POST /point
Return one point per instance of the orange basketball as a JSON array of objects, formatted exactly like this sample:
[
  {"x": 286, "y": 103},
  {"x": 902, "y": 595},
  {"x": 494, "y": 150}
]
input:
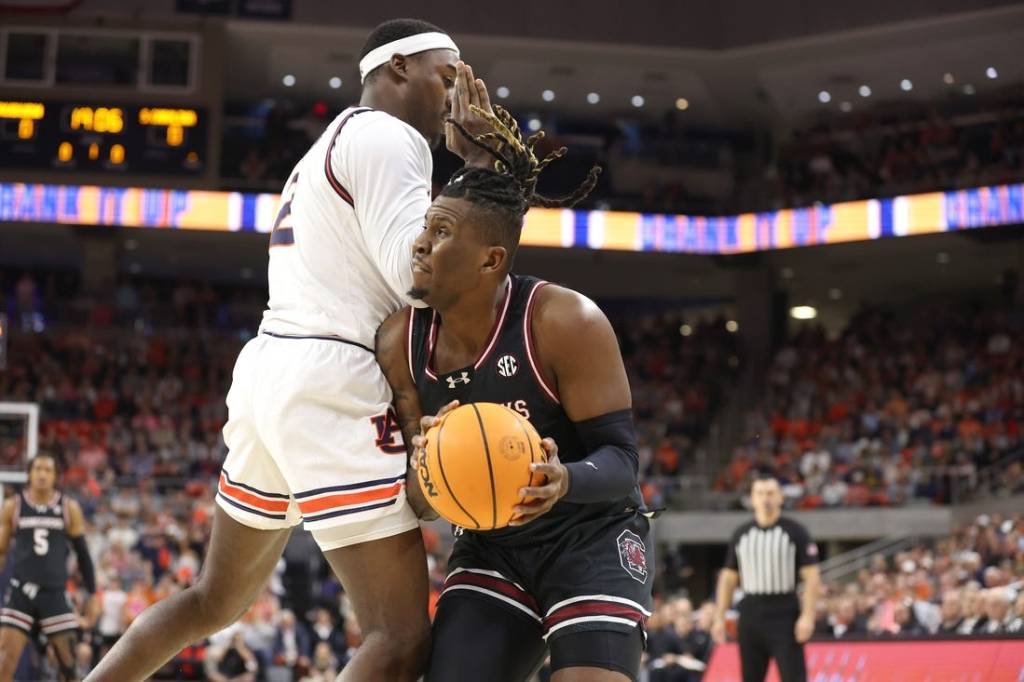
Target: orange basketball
[{"x": 476, "y": 461}]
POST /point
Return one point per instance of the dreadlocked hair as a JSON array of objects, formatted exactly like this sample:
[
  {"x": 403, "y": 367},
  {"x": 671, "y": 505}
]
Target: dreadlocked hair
[
  {"x": 509, "y": 188},
  {"x": 515, "y": 159}
]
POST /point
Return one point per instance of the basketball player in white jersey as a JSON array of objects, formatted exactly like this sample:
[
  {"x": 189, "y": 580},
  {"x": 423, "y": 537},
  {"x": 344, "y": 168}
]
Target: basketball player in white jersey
[{"x": 310, "y": 431}]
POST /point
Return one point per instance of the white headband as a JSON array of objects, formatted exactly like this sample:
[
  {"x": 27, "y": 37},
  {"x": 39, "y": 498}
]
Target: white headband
[{"x": 421, "y": 42}]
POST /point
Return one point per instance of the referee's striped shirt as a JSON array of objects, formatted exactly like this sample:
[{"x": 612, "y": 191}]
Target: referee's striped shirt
[{"x": 769, "y": 559}]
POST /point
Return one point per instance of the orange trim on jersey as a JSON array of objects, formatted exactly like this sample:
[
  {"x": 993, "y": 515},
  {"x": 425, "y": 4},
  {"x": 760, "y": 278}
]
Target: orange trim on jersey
[
  {"x": 345, "y": 499},
  {"x": 250, "y": 499}
]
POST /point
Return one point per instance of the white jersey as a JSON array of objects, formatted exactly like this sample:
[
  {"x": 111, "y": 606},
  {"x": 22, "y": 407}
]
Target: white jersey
[{"x": 342, "y": 242}]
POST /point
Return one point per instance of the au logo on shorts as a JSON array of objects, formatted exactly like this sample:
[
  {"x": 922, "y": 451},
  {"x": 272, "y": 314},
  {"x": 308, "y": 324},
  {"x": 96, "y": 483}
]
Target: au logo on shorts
[{"x": 632, "y": 555}]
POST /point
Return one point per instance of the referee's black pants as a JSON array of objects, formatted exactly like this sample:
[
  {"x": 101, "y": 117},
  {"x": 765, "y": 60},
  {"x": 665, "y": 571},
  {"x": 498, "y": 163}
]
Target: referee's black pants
[{"x": 766, "y": 632}]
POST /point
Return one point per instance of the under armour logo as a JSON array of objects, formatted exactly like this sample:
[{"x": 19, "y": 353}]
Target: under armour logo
[
  {"x": 507, "y": 366},
  {"x": 591, "y": 465},
  {"x": 454, "y": 381}
]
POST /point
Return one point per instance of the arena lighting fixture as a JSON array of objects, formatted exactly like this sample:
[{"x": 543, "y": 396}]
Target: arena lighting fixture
[
  {"x": 637, "y": 101},
  {"x": 288, "y": 80},
  {"x": 533, "y": 124},
  {"x": 864, "y": 91},
  {"x": 824, "y": 97},
  {"x": 991, "y": 72},
  {"x": 948, "y": 79},
  {"x": 548, "y": 95},
  {"x": 502, "y": 91},
  {"x": 593, "y": 97},
  {"x": 682, "y": 104},
  {"x": 803, "y": 312},
  {"x": 686, "y": 330},
  {"x": 968, "y": 89},
  {"x": 906, "y": 85},
  {"x": 732, "y": 326},
  {"x": 335, "y": 82},
  {"x": 845, "y": 107}
]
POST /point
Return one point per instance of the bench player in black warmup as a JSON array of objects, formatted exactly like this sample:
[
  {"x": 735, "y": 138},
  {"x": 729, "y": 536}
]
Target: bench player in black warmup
[
  {"x": 574, "y": 572},
  {"x": 45, "y": 524}
]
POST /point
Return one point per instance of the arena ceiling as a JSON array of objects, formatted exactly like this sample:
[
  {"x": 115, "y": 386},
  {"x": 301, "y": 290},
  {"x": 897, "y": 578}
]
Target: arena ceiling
[
  {"x": 737, "y": 63},
  {"x": 755, "y": 85}
]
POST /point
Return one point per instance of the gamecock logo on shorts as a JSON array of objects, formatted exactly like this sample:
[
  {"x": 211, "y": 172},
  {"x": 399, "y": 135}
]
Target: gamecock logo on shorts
[{"x": 633, "y": 555}]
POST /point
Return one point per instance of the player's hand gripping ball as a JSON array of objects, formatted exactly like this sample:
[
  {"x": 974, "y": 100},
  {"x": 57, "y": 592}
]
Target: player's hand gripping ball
[{"x": 474, "y": 461}]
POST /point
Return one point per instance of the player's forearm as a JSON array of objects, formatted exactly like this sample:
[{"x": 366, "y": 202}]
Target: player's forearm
[
  {"x": 604, "y": 475},
  {"x": 85, "y": 565},
  {"x": 609, "y": 472}
]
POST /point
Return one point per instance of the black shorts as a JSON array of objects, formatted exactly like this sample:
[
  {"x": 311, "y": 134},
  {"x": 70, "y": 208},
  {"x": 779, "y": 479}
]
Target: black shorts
[
  {"x": 597, "y": 575},
  {"x": 29, "y": 606}
]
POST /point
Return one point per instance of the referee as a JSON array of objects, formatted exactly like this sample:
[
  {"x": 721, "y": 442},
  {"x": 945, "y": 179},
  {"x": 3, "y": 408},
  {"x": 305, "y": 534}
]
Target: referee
[{"x": 767, "y": 557}]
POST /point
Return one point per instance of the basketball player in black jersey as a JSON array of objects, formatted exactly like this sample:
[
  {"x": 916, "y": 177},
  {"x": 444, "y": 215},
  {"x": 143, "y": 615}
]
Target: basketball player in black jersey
[
  {"x": 45, "y": 524},
  {"x": 573, "y": 574}
]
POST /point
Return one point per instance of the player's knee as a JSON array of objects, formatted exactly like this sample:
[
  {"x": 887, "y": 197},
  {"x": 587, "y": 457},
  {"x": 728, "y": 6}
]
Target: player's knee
[
  {"x": 8, "y": 662},
  {"x": 215, "y": 607},
  {"x": 405, "y": 651}
]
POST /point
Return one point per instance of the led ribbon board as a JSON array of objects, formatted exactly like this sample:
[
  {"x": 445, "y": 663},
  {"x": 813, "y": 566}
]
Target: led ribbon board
[{"x": 612, "y": 230}]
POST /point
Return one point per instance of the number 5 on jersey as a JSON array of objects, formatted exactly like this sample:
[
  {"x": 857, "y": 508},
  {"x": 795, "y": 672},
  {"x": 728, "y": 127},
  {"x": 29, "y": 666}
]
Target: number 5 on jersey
[{"x": 41, "y": 541}]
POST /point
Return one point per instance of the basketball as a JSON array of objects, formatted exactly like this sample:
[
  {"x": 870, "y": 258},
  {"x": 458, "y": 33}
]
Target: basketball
[{"x": 475, "y": 462}]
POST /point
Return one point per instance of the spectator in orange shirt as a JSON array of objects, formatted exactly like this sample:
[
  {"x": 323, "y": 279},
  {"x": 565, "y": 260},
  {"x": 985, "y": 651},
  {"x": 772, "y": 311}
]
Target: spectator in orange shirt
[{"x": 667, "y": 457}]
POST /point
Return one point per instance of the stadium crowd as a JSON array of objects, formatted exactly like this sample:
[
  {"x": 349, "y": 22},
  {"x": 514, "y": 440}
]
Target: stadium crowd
[
  {"x": 971, "y": 583},
  {"x": 667, "y": 165},
  {"x": 887, "y": 151},
  {"x": 913, "y": 406},
  {"x": 132, "y": 388},
  {"x": 968, "y": 584}
]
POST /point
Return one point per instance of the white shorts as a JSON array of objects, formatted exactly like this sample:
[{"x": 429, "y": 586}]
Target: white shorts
[{"x": 312, "y": 437}]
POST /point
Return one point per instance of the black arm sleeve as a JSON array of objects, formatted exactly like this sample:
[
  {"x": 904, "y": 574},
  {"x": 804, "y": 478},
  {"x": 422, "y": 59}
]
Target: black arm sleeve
[
  {"x": 85, "y": 566},
  {"x": 609, "y": 472}
]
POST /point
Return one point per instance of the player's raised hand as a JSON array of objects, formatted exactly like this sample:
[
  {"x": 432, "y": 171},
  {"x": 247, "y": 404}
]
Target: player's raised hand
[
  {"x": 469, "y": 91},
  {"x": 545, "y": 496}
]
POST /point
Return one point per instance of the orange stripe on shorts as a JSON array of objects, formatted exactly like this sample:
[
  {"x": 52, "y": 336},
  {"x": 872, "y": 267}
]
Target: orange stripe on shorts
[
  {"x": 345, "y": 499},
  {"x": 250, "y": 499}
]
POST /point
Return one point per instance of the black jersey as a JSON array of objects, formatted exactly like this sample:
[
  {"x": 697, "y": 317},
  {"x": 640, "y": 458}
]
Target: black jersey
[
  {"x": 507, "y": 372},
  {"x": 41, "y": 542}
]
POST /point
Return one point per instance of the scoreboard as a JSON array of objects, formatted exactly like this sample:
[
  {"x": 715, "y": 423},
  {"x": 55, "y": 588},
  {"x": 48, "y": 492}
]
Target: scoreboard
[{"x": 110, "y": 137}]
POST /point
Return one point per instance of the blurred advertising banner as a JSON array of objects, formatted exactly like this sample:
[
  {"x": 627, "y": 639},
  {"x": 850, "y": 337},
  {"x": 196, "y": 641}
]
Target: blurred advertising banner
[
  {"x": 893, "y": 661},
  {"x": 560, "y": 228}
]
